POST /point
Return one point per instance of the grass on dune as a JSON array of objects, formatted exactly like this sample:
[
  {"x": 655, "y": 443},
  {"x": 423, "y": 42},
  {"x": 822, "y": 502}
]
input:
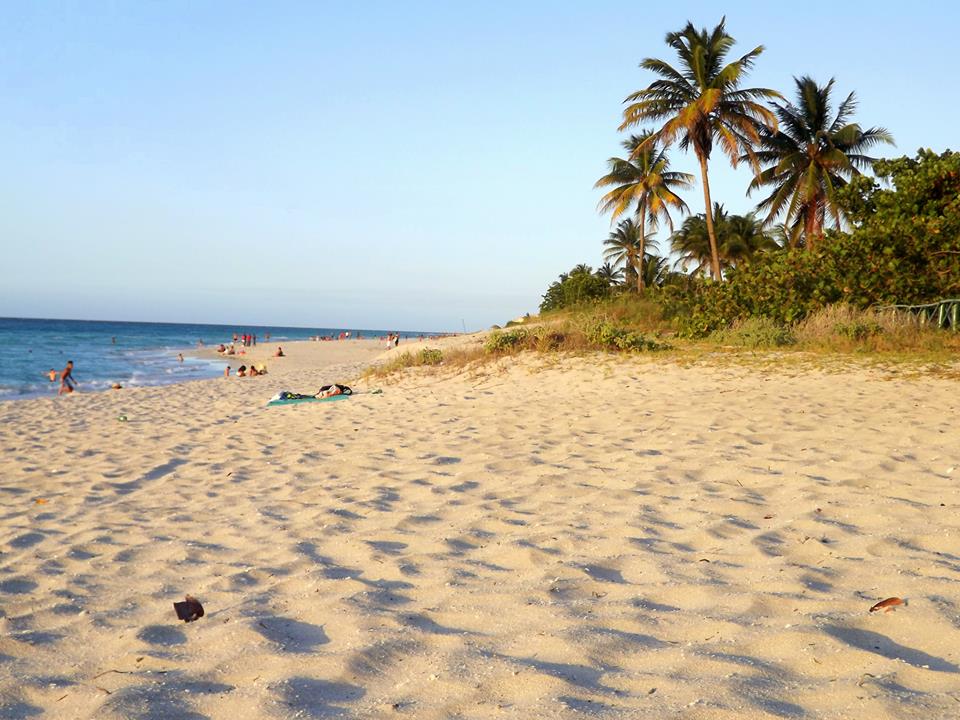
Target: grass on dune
[{"x": 830, "y": 338}]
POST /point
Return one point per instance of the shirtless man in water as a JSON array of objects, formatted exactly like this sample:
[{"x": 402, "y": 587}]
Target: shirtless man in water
[{"x": 67, "y": 382}]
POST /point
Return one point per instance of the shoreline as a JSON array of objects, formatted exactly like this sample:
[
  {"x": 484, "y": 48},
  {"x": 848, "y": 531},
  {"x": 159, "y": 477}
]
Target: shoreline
[
  {"x": 259, "y": 354},
  {"x": 597, "y": 533}
]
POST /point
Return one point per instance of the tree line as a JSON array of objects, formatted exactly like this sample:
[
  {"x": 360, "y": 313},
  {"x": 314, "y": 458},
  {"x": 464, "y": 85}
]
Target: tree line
[{"x": 802, "y": 154}]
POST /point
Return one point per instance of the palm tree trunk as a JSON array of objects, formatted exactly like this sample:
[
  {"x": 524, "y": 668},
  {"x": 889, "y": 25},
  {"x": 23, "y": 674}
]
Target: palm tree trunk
[
  {"x": 708, "y": 213},
  {"x": 810, "y": 225},
  {"x": 643, "y": 241}
]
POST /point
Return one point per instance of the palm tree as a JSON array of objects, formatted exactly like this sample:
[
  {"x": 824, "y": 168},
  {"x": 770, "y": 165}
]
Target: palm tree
[
  {"x": 655, "y": 269},
  {"x": 739, "y": 238},
  {"x": 624, "y": 246},
  {"x": 609, "y": 273},
  {"x": 703, "y": 102},
  {"x": 811, "y": 157},
  {"x": 645, "y": 182},
  {"x": 582, "y": 269},
  {"x": 744, "y": 237}
]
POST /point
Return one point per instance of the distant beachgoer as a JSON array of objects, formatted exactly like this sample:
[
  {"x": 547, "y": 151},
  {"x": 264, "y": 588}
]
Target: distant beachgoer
[
  {"x": 266, "y": 336},
  {"x": 254, "y": 340},
  {"x": 234, "y": 337},
  {"x": 396, "y": 339},
  {"x": 180, "y": 357},
  {"x": 52, "y": 375},
  {"x": 242, "y": 371},
  {"x": 279, "y": 352},
  {"x": 113, "y": 340},
  {"x": 222, "y": 348},
  {"x": 67, "y": 381},
  {"x": 252, "y": 372},
  {"x": 226, "y": 371}
]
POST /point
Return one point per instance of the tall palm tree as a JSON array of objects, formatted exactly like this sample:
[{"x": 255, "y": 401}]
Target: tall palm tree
[
  {"x": 811, "y": 156},
  {"x": 645, "y": 183},
  {"x": 623, "y": 247},
  {"x": 609, "y": 273},
  {"x": 701, "y": 103},
  {"x": 739, "y": 238}
]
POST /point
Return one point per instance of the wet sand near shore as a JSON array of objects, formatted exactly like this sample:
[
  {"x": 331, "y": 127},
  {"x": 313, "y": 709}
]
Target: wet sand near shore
[{"x": 594, "y": 538}]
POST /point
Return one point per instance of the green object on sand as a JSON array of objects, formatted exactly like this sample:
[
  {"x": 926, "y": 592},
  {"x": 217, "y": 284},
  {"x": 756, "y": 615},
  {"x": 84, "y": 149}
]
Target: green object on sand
[
  {"x": 297, "y": 401},
  {"x": 122, "y": 418}
]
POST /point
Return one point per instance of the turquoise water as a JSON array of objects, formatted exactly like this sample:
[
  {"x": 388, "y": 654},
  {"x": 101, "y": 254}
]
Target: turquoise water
[{"x": 129, "y": 353}]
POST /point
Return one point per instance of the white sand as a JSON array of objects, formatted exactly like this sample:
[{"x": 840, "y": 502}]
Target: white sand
[{"x": 599, "y": 538}]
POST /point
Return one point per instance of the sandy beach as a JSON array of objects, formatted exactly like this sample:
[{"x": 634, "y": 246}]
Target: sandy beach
[{"x": 588, "y": 537}]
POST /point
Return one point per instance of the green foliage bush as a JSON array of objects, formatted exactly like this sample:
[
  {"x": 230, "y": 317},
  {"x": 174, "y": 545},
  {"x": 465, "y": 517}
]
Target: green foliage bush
[
  {"x": 758, "y": 332},
  {"x": 904, "y": 248},
  {"x": 857, "y": 330},
  {"x": 503, "y": 342},
  {"x": 604, "y": 334},
  {"x": 590, "y": 333},
  {"x": 430, "y": 356},
  {"x": 573, "y": 289}
]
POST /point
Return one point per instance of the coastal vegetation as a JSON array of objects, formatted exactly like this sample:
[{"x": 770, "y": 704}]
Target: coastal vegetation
[
  {"x": 826, "y": 238},
  {"x": 836, "y": 248}
]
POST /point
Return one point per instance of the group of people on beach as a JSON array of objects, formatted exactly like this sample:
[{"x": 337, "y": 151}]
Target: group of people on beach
[{"x": 244, "y": 371}]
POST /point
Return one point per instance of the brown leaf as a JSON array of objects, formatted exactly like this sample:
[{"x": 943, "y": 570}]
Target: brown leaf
[
  {"x": 888, "y": 604},
  {"x": 188, "y": 610}
]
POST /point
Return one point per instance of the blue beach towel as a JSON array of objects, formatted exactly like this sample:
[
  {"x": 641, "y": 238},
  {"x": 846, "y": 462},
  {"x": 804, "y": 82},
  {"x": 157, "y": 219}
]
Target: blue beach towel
[{"x": 308, "y": 399}]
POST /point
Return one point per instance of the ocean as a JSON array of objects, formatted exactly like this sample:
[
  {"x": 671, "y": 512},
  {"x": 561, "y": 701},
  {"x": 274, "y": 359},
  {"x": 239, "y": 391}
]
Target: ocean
[{"x": 129, "y": 353}]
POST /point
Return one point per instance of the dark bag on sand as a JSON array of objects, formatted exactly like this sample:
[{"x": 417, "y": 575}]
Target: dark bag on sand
[
  {"x": 292, "y": 396},
  {"x": 344, "y": 390}
]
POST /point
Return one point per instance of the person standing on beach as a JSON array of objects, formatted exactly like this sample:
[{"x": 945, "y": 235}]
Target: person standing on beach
[
  {"x": 226, "y": 371},
  {"x": 67, "y": 381}
]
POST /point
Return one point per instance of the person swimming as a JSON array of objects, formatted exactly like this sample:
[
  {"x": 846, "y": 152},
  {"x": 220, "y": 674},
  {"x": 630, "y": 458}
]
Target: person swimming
[{"x": 52, "y": 374}]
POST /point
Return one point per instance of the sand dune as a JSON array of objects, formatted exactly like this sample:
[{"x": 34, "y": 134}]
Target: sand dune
[{"x": 598, "y": 538}]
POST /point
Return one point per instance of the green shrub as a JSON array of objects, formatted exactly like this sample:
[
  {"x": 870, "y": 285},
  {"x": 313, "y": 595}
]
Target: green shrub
[
  {"x": 758, "y": 332},
  {"x": 431, "y": 356},
  {"x": 578, "y": 287},
  {"x": 502, "y": 342},
  {"x": 605, "y": 335},
  {"x": 858, "y": 330}
]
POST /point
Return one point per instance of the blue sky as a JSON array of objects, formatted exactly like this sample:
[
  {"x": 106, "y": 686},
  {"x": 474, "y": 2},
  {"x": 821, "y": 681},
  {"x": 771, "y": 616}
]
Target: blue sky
[{"x": 374, "y": 164}]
